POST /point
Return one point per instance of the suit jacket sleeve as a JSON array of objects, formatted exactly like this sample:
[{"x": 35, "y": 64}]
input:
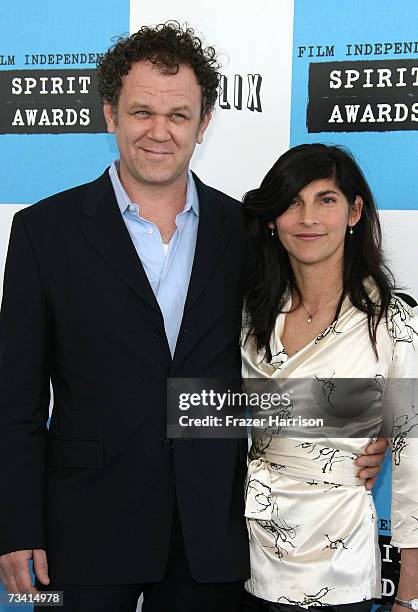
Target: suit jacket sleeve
[{"x": 24, "y": 396}]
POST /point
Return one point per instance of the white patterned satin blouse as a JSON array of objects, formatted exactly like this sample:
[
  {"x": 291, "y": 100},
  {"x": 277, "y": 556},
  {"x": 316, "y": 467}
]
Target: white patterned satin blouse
[{"x": 311, "y": 522}]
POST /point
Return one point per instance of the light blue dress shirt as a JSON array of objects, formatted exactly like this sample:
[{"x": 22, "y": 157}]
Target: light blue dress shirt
[{"x": 168, "y": 268}]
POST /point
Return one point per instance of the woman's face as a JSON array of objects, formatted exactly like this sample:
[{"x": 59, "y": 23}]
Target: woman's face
[{"x": 313, "y": 228}]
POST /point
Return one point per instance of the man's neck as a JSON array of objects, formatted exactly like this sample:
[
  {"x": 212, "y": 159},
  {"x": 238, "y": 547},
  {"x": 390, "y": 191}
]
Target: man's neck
[
  {"x": 159, "y": 203},
  {"x": 169, "y": 197}
]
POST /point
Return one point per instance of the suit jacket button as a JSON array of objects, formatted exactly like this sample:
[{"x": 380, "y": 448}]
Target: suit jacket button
[
  {"x": 158, "y": 333},
  {"x": 167, "y": 443}
]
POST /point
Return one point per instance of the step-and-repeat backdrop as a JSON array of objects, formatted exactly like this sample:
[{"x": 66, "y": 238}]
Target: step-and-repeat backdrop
[{"x": 294, "y": 71}]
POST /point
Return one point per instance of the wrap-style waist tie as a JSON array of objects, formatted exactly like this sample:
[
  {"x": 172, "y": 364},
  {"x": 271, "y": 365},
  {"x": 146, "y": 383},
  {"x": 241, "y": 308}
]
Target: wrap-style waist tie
[{"x": 298, "y": 460}]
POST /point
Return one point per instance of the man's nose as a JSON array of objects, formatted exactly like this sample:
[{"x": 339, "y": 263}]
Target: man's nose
[{"x": 159, "y": 128}]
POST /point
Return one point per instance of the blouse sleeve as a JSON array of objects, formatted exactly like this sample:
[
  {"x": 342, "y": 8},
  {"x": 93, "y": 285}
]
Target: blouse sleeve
[{"x": 401, "y": 406}]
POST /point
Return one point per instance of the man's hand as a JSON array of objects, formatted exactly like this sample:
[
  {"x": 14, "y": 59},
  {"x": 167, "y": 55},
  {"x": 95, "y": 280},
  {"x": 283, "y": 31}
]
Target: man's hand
[
  {"x": 372, "y": 461},
  {"x": 15, "y": 574}
]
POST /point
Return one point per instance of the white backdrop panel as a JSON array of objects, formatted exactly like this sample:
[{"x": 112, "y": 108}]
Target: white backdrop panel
[
  {"x": 400, "y": 231},
  {"x": 240, "y": 145}
]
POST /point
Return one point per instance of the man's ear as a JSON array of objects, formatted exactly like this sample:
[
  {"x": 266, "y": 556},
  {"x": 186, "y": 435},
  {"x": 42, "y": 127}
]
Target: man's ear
[
  {"x": 202, "y": 127},
  {"x": 109, "y": 115}
]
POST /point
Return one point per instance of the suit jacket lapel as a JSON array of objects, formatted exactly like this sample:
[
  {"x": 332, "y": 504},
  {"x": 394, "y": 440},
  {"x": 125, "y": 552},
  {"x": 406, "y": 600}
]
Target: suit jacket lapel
[
  {"x": 214, "y": 232},
  {"x": 105, "y": 229},
  {"x": 213, "y": 236}
]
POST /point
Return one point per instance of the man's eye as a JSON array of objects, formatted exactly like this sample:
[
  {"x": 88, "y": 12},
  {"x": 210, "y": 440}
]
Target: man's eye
[
  {"x": 178, "y": 116},
  {"x": 143, "y": 113},
  {"x": 328, "y": 200}
]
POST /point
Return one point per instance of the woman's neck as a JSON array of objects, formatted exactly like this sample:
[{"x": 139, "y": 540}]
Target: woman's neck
[{"x": 318, "y": 283}]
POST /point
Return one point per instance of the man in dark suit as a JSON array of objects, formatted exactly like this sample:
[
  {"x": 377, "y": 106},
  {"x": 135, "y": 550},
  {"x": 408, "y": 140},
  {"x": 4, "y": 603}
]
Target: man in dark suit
[{"x": 111, "y": 288}]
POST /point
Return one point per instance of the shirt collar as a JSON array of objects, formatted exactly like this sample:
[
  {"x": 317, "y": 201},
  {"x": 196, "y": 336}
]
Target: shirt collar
[{"x": 122, "y": 198}]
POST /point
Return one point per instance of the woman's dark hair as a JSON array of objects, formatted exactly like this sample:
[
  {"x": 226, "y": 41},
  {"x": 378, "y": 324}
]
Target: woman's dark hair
[
  {"x": 167, "y": 45},
  {"x": 272, "y": 279}
]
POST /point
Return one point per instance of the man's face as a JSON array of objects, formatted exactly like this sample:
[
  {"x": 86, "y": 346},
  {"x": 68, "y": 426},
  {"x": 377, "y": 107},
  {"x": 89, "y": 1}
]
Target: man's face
[{"x": 157, "y": 124}]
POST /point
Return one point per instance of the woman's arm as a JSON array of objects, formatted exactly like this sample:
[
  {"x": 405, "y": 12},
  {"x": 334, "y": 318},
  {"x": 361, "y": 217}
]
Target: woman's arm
[{"x": 402, "y": 414}]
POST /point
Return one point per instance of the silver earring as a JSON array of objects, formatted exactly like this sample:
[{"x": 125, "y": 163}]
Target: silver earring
[
  {"x": 351, "y": 231},
  {"x": 272, "y": 232}
]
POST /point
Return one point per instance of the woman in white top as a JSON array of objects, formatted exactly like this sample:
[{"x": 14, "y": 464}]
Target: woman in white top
[{"x": 322, "y": 308}]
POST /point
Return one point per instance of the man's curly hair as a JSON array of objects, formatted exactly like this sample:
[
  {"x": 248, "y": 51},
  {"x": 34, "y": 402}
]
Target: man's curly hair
[{"x": 167, "y": 45}]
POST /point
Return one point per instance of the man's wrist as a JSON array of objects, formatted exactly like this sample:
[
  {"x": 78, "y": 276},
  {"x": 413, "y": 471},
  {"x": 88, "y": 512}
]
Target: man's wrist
[{"x": 411, "y": 604}]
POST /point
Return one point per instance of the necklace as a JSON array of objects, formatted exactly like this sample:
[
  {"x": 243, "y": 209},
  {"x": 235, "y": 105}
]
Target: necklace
[{"x": 313, "y": 313}]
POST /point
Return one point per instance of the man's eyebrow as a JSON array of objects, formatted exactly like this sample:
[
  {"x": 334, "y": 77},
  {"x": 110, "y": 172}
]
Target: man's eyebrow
[
  {"x": 144, "y": 105},
  {"x": 138, "y": 104},
  {"x": 183, "y": 107}
]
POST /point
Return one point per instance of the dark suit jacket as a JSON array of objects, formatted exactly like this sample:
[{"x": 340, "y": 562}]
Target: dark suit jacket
[{"x": 97, "y": 490}]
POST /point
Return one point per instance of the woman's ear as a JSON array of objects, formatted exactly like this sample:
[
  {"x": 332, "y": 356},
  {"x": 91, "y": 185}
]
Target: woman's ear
[{"x": 355, "y": 211}]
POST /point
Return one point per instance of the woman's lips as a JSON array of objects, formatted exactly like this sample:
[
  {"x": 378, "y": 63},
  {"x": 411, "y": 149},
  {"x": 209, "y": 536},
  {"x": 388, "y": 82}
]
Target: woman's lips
[{"x": 309, "y": 237}]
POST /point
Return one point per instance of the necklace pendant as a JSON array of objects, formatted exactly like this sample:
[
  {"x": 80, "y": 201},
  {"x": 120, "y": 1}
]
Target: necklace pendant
[{"x": 309, "y": 319}]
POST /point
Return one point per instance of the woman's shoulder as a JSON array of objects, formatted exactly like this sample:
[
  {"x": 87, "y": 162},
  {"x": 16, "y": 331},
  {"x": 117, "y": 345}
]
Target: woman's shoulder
[
  {"x": 402, "y": 321},
  {"x": 401, "y": 305},
  {"x": 406, "y": 299}
]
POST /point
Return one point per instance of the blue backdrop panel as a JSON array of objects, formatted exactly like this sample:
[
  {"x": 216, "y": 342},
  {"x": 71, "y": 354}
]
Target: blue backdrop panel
[
  {"x": 41, "y": 164},
  {"x": 388, "y": 157}
]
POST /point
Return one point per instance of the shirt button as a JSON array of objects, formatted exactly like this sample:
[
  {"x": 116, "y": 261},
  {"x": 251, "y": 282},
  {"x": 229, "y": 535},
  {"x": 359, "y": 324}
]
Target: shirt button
[
  {"x": 132, "y": 208},
  {"x": 150, "y": 231}
]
